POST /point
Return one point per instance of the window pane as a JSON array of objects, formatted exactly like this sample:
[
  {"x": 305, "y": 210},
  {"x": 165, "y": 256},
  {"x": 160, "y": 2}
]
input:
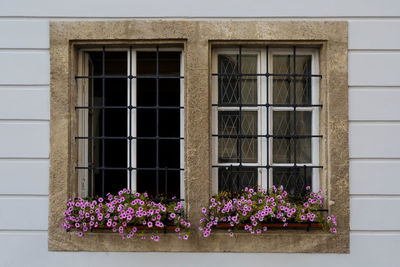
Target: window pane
[
  {"x": 160, "y": 153},
  {"x": 283, "y": 86},
  {"x": 228, "y": 148},
  {"x": 116, "y": 63},
  {"x": 229, "y": 86},
  {"x": 234, "y": 179},
  {"x": 168, "y": 65},
  {"x": 286, "y": 178},
  {"x": 283, "y": 146}
]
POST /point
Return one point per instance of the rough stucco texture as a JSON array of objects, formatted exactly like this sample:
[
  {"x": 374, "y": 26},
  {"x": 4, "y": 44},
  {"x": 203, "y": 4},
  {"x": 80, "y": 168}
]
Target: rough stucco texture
[{"x": 197, "y": 37}]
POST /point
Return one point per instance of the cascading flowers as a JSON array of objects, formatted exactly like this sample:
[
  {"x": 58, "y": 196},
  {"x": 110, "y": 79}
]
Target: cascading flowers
[
  {"x": 126, "y": 213},
  {"x": 254, "y": 208}
]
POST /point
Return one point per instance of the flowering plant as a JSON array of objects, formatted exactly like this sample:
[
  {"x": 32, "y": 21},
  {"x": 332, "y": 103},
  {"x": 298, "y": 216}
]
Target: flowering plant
[
  {"x": 253, "y": 209},
  {"x": 126, "y": 213}
]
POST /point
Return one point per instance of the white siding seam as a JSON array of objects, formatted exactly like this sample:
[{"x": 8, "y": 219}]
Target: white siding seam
[
  {"x": 23, "y": 158},
  {"x": 367, "y": 121},
  {"x": 373, "y": 87},
  {"x": 357, "y": 88},
  {"x": 373, "y": 51},
  {"x": 22, "y": 231},
  {"x": 373, "y": 122},
  {"x": 10, "y": 49},
  {"x": 24, "y": 84},
  {"x": 376, "y": 232},
  {"x": 23, "y": 120},
  {"x": 24, "y": 196},
  {"x": 384, "y": 159},
  {"x": 375, "y": 196}
]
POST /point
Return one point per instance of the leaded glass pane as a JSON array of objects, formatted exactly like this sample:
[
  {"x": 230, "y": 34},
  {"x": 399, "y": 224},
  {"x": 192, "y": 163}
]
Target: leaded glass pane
[
  {"x": 283, "y": 146},
  {"x": 229, "y": 86},
  {"x": 234, "y": 179},
  {"x": 286, "y": 177},
  {"x": 228, "y": 148},
  {"x": 283, "y": 86}
]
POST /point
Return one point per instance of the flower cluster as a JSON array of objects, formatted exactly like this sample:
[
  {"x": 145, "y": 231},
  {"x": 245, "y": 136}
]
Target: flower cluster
[
  {"x": 253, "y": 209},
  {"x": 128, "y": 213}
]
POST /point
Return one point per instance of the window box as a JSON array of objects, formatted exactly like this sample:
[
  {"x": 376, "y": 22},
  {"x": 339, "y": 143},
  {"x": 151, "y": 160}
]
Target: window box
[
  {"x": 130, "y": 214},
  {"x": 256, "y": 210},
  {"x": 292, "y": 225}
]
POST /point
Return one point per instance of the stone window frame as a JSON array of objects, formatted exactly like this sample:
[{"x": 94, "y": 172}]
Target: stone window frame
[{"x": 198, "y": 38}]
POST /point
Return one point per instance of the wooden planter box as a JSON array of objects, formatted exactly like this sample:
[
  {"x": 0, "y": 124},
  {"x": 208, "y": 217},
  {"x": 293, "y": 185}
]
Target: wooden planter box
[
  {"x": 291, "y": 225},
  {"x": 141, "y": 227}
]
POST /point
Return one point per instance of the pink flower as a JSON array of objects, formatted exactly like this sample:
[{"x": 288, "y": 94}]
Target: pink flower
[{"x": 80, "y": 234}]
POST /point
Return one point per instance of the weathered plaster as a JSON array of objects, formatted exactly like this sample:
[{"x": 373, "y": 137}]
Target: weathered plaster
[{"x": 197, "y": 38}]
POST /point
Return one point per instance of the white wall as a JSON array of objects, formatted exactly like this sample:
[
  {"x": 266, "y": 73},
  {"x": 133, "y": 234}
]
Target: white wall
[{"x": 374, "y": 112}]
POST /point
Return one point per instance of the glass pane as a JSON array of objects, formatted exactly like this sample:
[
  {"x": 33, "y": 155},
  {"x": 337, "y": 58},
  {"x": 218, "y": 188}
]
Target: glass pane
[
  {"x": 283, "y": 122},
  {"x": 168, "y": 63},
  {"x": 283, "y": 146},
  {"x": 228, "y": 147},
  {"x": 229, "y": 86},
  {"x": 286, "y": 178},
  {"x": 235, "y": 179},
  {"x": 116, "y": 63},
  {"x": 249, "y": 64},
  {"x": 249, "y": 145},
  {"x": 283, "y": 86}
]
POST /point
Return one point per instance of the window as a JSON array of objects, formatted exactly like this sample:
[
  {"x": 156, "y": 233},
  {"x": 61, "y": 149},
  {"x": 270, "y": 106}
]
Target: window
[
  {"x": 224, "y": 134},
  {"x": 265, "y": 118},
  {"x": 130, "y": 115}
]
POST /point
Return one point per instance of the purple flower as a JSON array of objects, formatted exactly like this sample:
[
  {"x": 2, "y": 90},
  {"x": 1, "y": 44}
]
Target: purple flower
[
  {"x": 185, "y": 237},
  {"x": 80, "y": 234}
]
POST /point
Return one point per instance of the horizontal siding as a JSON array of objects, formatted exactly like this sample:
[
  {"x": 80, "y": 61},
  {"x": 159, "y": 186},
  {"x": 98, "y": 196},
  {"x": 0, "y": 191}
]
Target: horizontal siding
[
  {"x": 27, "y": 103},
  {"x": 24, "y": 67},
  {"x": 374, "y": 140},
  {"x": 207, "y": 8},
  {"x": 21, "y": 213},
  {"x": 370, "y": 34},
  {"x": 375, "y": 213},
  {"x": 376, "y": 177},
  {"x": 372, "y": 74},
  {"x": 374, "y": 68},
  {"x": 374, "y": 104},
  {"x": 24, "y": 34},
  {"x": 24, "y": 139},
  {"x": 24, "y": 177},
  {"x": 366, "y": 250}
]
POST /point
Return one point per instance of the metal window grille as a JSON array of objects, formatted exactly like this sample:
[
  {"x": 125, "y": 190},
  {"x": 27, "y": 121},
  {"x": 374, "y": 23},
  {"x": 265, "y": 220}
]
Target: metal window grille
[
  {"x": 130, "y": 137},
  {"x": 238, "y": 172}
]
